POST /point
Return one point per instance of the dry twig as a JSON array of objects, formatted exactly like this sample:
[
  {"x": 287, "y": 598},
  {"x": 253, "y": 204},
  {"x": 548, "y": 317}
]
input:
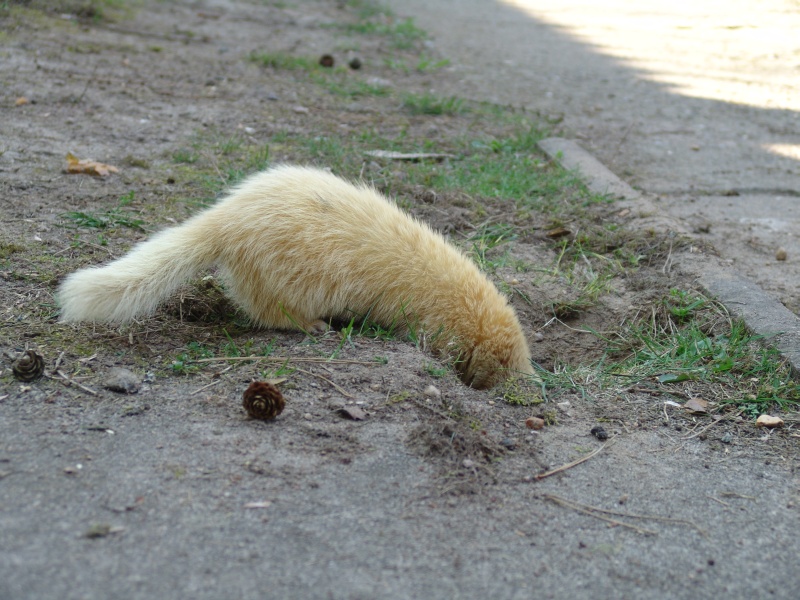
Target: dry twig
[
  {"x": 339, "y": 388},
  {"x": 67, "y": 381},
  {"x": 573, "y": 463},
  {"x": 592, "y": 512},
  {"x": 599, "y": 512},
  {"x": 285, "y": 359}
]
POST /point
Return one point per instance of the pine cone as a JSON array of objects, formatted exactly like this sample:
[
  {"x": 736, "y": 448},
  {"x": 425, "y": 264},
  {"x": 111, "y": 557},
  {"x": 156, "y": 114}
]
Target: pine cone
[
  {"x": 262, "y": 400},
  {"x": 29, "y": 367}
]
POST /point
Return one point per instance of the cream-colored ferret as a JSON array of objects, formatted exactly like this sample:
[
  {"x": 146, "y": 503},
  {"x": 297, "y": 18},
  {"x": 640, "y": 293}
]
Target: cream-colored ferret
[{"x": 297, "y": 246}]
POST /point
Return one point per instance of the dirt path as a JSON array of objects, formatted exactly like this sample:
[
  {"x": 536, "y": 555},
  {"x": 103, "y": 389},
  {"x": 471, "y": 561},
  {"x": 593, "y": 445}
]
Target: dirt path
[
  {"x": 172, "y": 491},
  {"x": 695, "y": 103}
]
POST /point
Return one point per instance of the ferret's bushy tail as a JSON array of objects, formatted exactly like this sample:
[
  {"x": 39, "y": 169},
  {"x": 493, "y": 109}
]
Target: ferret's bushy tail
[{"x": 135, "y": 284}]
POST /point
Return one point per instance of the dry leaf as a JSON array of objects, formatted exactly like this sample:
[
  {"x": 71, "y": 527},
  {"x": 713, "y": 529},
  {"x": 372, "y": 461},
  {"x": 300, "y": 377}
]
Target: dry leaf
[
  {"x": 87, "y": 166},
  {"x": 558, "y": 232},
  {"x": 352, "y": 412},
  {"x": 696, "y": 406}
]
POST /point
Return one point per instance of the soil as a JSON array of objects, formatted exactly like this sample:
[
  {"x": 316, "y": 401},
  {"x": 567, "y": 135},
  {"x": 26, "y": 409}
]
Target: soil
[{"x": 431, "y": 490}]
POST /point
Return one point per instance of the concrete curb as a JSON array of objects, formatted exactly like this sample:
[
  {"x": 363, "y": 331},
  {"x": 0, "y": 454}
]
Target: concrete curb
[{"x": 762, "y": 314}]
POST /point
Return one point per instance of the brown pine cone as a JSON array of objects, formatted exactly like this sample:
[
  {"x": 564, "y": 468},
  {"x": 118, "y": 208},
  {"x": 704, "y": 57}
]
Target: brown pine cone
[
  {"x": 262, "y": 400},
  {"x": 29, "y": 367}
]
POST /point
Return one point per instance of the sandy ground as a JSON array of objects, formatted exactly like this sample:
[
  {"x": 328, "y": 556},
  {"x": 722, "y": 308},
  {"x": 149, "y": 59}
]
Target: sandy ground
[{"x": 173, "y": 491}]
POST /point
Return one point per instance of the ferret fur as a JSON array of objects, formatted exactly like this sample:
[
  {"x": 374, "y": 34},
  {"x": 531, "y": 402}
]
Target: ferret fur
[{"x": 297, "y": 246}]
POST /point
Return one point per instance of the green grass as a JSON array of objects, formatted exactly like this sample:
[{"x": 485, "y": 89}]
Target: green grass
[
  {"x": 691, "y": 342},
  {"x": 116, "y": 217},
  {"x": 402, "y": 35},
  {"x": 431, "y": 104}
]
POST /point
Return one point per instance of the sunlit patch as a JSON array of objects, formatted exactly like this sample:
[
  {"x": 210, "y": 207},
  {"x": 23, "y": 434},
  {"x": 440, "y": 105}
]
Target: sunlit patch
[
  {"x": 714, "y": 49},
  {"x": 787, "y": 150}
]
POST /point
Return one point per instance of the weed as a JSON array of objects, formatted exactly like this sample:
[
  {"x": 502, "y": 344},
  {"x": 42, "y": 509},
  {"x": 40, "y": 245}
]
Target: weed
[
  {"x": 403, "y": 35},
  {"x": 520, "y": 392},
  {"x": 346, "y": 335},
  {"x": 699, "y": 346},
  {"x": 104, "y": 219},
  {"x": 434, "y": 371},
  {"x": 351, "y": 88},
  {"x": 431, "y": 104},
  {"x": 182, "y": 364}
]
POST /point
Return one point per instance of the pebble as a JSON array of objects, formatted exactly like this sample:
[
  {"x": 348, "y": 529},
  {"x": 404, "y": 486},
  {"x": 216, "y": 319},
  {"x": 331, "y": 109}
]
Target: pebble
[
  {"x": 769, "y": 421},
  {"x": 432, "y": 392},
  {"x": 508, "y": 443},
  {"x": 122, "y": 381},
  {"x": 780, "y": 254},
  {"x": 534, "y": 423}
]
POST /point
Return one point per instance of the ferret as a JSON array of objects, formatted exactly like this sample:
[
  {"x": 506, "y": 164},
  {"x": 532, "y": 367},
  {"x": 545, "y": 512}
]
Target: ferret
[{"x": 298, "y": 246}]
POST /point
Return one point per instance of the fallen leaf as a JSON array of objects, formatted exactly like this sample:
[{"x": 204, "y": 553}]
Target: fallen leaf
[
  {"x": 696, "y": 406},
  {"x": 558, "y": 232},
  {"x": 352, "y": 412},
  {"x": 87, "y": 166}
]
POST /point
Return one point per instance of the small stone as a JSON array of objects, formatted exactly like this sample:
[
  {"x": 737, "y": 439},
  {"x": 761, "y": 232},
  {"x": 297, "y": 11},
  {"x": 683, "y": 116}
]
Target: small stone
[
  {"x": 780, "y": 254},
  {"x": 432, "y": 392},
  {"x": 769, "y": 421},
  {"x": 379, "y": 82},
  {"x": 726, "y": 439},
  {"x": 122, "y": 381},
  {"x": 468, "y": 463},
  {"x": 538, "y": 336},
  {"x": 308, "y": 416},
  {"x": 355, "y": 63},
  {"x": 600, "y": 433},
  {"x": 535, "y": 423},
  {"x": 508, "y": 444}
]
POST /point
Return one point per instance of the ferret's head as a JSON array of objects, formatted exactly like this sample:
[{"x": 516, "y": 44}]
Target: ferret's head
[{"x": 494, "y": 360}]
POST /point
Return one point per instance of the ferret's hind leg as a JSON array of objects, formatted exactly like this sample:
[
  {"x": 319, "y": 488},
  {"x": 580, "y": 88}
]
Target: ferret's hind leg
[{"x": 274, "y": 315}]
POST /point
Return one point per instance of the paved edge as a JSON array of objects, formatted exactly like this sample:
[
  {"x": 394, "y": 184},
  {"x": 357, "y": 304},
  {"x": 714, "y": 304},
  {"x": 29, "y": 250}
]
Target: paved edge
[{"x": 762, "y": 314}]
